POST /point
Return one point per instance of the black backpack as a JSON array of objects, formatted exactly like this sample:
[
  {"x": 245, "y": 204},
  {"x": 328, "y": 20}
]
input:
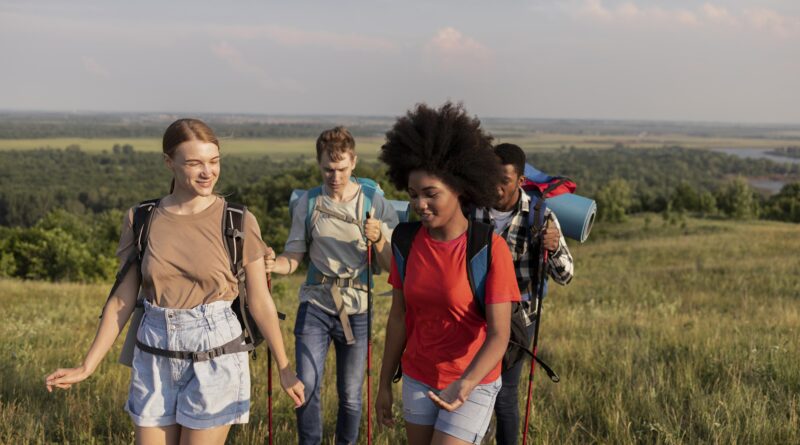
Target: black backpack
[
  {"x": 232, "y": 226},
  {"x": 479, "y": 259}
]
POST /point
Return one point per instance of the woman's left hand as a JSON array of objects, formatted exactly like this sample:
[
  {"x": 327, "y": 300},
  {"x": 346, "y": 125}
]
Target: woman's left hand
[
  {"x": 65, "y": 378},
  {"x": 452, "y": 397},
  {"x": 293, "y": 386}
]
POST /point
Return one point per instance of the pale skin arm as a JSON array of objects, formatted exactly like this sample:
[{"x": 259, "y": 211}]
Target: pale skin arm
[
  {"x": 284, "y": 264},
  {"x": 498, "y": 331},
  {"x": 263, "y": 310},
  {"x": 115, "y": 315},
  {"x": 393, "y": 350}
]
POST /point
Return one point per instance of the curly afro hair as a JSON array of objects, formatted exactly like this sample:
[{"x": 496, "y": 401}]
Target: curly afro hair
[{"x": 449, "y": 144}]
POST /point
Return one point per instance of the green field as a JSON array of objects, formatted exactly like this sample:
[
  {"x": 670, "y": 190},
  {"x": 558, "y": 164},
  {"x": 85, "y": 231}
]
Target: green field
[
  {"x": 668, "y": 334},
  {"x": 369, "y": 146},
  {"x": 275, "y": 147}
]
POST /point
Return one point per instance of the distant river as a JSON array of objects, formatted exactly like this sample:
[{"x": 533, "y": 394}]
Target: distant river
[
  {"x": 757, "y": 153},
  {"x": 769, "y": 185}
]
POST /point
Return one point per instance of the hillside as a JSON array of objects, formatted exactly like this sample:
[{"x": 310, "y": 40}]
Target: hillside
[{"x": 668, "y": 334}]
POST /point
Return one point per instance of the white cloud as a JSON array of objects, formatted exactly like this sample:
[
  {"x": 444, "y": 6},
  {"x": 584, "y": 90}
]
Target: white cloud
[
  {"x": 687, "y": 18},
  {"x": 706, "y": 15},
  {"x": 94, "y": 68},
  {"x": 228, "y": 53},
  {"x": 630, "y": 12},
  {"x": 773, "y": 22},
  {"x": 451, "y": 43},
  {"x": 595, "y": 9},
  {"x": 718, "y": 14}
]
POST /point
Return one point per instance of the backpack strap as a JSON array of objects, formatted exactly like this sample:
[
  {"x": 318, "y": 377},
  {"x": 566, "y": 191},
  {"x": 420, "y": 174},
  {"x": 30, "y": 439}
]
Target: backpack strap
[
  {"x": 536, "y": 224},
  {"x": 142, "y": 215},
  {"x": 479, "y": 259},
  {"x": 558, "y": 182},
  {"x": 311, "y": 215},
  {"x": 402, "y": 238},
  {"x": 141, "y": 225},
  {"x": 233, "y": 240},
  {"x": 368, "y": 188},
  {"x": 233, "y": 235}
]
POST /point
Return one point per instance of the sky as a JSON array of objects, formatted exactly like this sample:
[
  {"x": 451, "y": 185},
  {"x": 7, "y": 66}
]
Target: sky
[{"x": 681, "y": 60}]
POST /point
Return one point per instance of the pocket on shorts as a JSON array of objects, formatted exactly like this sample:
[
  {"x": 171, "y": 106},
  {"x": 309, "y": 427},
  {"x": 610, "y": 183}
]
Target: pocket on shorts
[
  {"x": 480, "y": 403},
  {"x": 235, "y": 328},
  {"x": 151, "y": 335},
  {"x": 223, "y": 380}
]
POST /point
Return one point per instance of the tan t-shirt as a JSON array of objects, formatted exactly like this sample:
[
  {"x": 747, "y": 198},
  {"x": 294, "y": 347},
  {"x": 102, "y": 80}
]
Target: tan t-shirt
[{"x": 186, "y": 264}]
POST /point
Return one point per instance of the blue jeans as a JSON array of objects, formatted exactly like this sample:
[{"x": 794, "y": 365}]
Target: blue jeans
[
  {"x": 506, "y": 407},
  {"x": 314, "y": 329}
]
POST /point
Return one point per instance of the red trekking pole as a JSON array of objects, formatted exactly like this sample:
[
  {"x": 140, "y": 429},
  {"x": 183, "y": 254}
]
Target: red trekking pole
[
  {"x": 369, "y": 341},
  {"x": 537, "y": 319},
  {"x": 269, "y": 377}
]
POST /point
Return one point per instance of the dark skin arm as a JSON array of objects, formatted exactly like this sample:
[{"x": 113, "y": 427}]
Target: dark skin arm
[
  {"x": 498, "y": 331},
  {"x": 393, "y": 350}
]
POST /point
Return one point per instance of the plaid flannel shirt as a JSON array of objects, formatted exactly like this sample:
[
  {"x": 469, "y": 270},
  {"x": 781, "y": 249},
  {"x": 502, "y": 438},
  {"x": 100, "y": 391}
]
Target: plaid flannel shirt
[{"x": 516, "y": 235}]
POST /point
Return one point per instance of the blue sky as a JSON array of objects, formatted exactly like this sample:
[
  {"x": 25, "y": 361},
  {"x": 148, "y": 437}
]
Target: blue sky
[{"x": 730, "y": 61}]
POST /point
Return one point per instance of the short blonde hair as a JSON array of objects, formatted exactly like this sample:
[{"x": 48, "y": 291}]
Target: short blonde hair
[{"x": 335, "y": 142}]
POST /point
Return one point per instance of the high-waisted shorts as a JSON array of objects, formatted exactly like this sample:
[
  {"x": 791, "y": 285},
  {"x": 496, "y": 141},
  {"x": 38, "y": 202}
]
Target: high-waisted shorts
[{"x": 198, "y": 395}]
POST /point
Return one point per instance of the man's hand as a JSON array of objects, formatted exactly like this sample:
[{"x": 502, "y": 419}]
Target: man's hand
[
  {"x": 551, "y": 237},
  {"x": 372, "y": 230},
  {"x": 269, "y": 260}
]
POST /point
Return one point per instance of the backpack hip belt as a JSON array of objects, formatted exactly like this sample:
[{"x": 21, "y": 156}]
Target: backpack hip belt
[
  {"x": 317, "y": 277},
  {"x": 234, "y": 346}
]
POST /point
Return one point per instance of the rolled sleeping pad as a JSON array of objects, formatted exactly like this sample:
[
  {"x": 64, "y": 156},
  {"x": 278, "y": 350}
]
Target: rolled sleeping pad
[
  {"x": 402, "y": 208},
  {"x": 575, "y": 213}
]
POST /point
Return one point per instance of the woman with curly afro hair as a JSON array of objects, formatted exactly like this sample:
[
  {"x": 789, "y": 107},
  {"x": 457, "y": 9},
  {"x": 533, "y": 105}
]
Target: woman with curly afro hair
[{"x": 449, "y": 349}]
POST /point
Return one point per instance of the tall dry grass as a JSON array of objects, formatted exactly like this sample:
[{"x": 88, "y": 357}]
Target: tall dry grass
[{"x": 667, "y": 335}]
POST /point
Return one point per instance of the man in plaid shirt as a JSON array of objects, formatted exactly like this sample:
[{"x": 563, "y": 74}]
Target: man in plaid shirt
[{"x": 510, "y": 220}]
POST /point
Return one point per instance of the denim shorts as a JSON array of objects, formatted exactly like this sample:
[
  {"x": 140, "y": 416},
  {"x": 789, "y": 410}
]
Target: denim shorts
[
  {"x": 469, "y": 422},
  {"x": 198, "y": 395}
]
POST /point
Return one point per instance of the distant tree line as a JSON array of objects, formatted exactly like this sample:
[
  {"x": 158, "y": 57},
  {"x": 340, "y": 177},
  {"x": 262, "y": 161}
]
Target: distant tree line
[
  {"x": 61, "y": 210},
  {"x": 792, "y": 151},
  {"x": 58, "y": 125},
  {"x": 27, "y": 125}
]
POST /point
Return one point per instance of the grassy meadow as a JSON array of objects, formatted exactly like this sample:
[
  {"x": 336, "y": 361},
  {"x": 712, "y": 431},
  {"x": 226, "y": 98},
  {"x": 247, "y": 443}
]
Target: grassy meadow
[
  {"x": 368, "y": 147},
  {"x": 668, "y": 334}
]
